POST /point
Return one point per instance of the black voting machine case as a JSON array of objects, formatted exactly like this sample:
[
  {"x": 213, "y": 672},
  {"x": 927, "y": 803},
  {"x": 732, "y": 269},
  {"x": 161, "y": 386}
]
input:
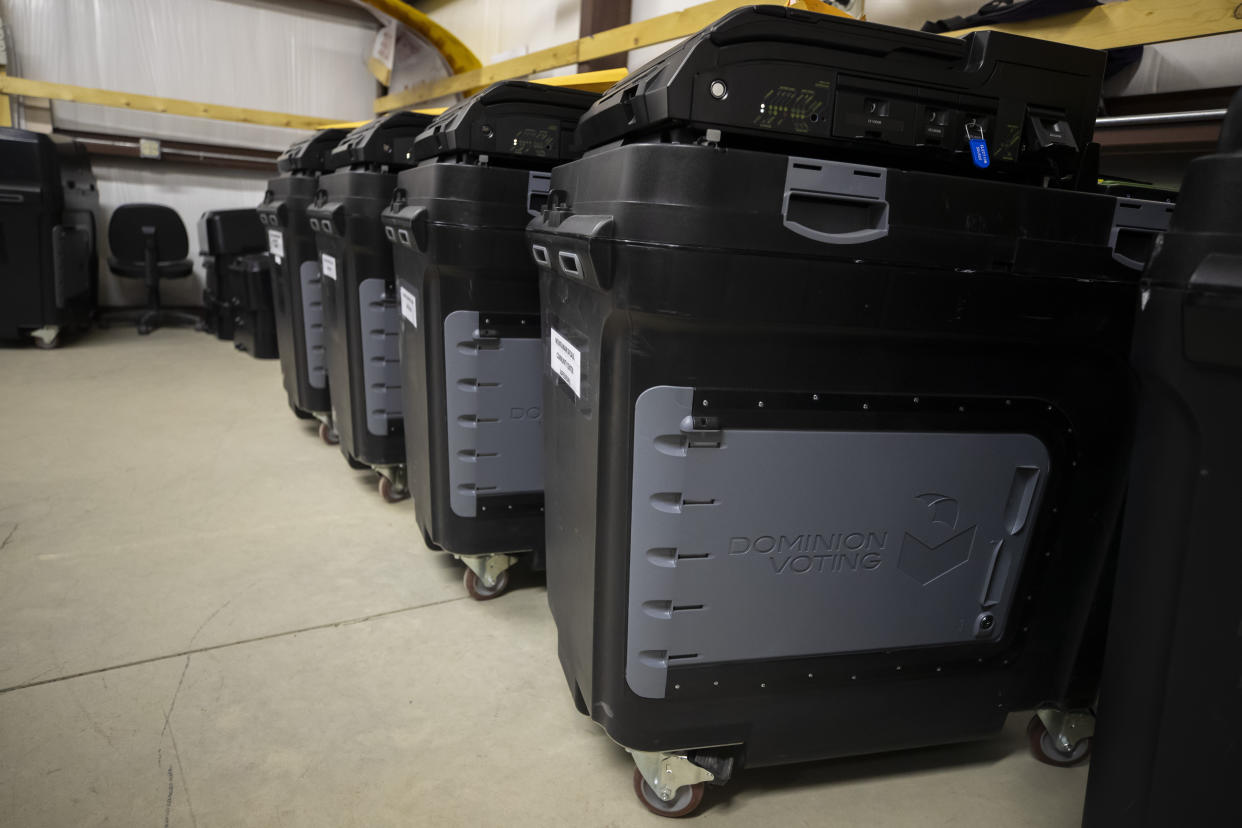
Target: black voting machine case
[
  {"x": 297, "y": 290},
  {"x": 359, "y": 297},
  {"x": 49, "y": 272},
  {"x": 1170, "y": 727},
  {"x": 469, "y": 296},
  {"x": 787, "y": 391}
]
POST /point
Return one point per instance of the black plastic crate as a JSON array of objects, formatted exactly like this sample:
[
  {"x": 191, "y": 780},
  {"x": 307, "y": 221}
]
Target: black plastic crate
[{"x": 224, "y": 237}]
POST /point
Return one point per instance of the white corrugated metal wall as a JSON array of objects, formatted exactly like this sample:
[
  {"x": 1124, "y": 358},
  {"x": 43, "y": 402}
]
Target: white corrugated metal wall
[{"x": 305, "y": 57}]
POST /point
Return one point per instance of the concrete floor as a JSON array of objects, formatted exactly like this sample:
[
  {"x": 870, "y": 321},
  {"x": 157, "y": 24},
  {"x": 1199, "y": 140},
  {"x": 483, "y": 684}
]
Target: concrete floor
[{"x": 207, "y": 618}]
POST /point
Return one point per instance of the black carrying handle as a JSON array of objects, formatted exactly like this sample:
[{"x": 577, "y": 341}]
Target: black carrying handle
[
  {"x": 330, "y": 221},
  {"x": 409, "y": 227}
]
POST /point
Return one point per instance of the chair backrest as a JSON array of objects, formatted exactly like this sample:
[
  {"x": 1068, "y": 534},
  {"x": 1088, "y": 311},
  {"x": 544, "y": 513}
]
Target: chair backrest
[{"x": 127, "y": 239}]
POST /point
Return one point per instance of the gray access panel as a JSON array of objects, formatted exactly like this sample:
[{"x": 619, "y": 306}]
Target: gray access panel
[
  {"x": 312, "y": 323},
  {"x": 764, "y": 544},
  {"x": 494, "y": 395},
  {"x": 381, "y": 354}
]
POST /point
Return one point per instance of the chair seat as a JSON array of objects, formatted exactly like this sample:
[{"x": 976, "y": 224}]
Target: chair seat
[{"x": 137, "y": 270}]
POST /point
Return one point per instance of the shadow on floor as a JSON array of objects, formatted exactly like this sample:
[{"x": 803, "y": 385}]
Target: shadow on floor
[{"x": 871, "y": 767}]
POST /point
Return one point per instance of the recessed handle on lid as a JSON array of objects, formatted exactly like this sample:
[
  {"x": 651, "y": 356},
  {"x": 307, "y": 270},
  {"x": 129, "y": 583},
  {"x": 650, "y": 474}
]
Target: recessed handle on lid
[{"x": 835, "y": 203}]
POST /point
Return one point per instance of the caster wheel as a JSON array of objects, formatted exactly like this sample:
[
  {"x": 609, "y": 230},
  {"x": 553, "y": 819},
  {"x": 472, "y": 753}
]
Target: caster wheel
[
  {"x": 328, "y": 435},
  {"x": 144, "y": 329},
  {"x": 685, "y": 802},
  {"x": 480, "y": 592},
  {"x": 390, "y": 492},
  {"x": 1044, "y": 748},
  {"x": 46, "y": 344}
]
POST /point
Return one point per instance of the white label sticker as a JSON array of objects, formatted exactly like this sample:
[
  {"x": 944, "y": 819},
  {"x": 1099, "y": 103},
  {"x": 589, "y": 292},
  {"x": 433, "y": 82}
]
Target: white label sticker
[
  {"x": 276, "y": 243},
  {"x": 567, "y": 362},
  {"x": 409, "y": 306},
  {"x": 328, "y": 265}
]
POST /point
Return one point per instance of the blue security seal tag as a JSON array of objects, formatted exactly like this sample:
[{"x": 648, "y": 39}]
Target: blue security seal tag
[{"x": 978, "y": 146}]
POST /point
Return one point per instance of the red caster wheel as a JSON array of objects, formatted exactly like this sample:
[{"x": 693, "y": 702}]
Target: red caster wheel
[
  {"x": 1044, "y": 746},
  {"x": 684, "y": 802},
  {"x": 328, "y": 435},
  {"x": 480, "y": 591},
  {"x": 389, "y": 492}
]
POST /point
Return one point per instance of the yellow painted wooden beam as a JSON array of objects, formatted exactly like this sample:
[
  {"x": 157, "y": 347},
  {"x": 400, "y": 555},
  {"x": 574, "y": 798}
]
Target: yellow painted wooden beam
[
  {"x": 457, "y": 54},
  {"x": 672, "y": 26},
  {"x": 596, "y": 81},
  {"x": 6, "y": 116},
  {"x": 590, "y": 81},
  {"x": 552, "y": 58},
  {"x": 1130, "y": 23},
  {"x": 150, "y": 103},
  {"x": 434, "y": 110},
  {"x": 659, "y": 29}
]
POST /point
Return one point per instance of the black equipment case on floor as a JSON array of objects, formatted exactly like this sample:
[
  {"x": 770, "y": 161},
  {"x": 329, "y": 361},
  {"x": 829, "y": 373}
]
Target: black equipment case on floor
[
  {"x": 224, "y": 236},
  {"x": 839, "y": 447},
  {"x": 469, "y": 297},
  {"x": 361, "y": 319},
  {"x": 297, "y": 290},
  {"x": 1169, "y": 739},
  {"x": 254, "y": 330},
  {"x": 49, "y": 267}
]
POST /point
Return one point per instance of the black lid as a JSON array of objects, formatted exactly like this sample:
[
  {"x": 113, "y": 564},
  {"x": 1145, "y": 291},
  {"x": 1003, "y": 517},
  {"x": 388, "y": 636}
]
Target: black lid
[
  {"x": 789, "y": 75},
  {"x": 388, "y": 139},
  {"x": 310, "y": 154},
  {"x": 515, "y": 119}
]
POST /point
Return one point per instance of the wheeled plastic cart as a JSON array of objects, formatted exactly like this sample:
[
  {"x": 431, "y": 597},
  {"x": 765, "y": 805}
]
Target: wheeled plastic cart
[
  {"x": 839, "y": 446},
  {"x": 49, "y": 270},
  {"x": 360, "y": 314},
  {"x": 224, "y": 237},
  {"x": 469, "y": 297},
  {"x": 297, "y": 288},
  {"x": 1170, "y": 705}
]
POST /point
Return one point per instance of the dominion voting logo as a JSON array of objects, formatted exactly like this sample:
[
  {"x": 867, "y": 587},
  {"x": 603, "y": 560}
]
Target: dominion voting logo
[
  {"x": 933, "y": 546},
  {"x": 938, "y": 547}
]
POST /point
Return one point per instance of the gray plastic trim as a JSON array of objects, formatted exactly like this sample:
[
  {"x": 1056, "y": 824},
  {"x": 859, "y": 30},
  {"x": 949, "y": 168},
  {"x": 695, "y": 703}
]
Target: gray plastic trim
[
  {"x": 539, "y": 183},
  {"x": 312, "y": 323},
  {"x": 752, "y": 544},
  {"x": 833, "y": 181},
  {"x": 494, "y": 397},
  {"x": 380, "y": 329},
  {"x": 570, "y": 264},
  {"x": 1138, "y": 215}
]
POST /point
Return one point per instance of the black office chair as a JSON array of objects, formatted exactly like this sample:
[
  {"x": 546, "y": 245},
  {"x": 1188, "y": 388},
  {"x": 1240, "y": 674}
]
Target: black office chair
[{"x": 149, "y": 242}]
